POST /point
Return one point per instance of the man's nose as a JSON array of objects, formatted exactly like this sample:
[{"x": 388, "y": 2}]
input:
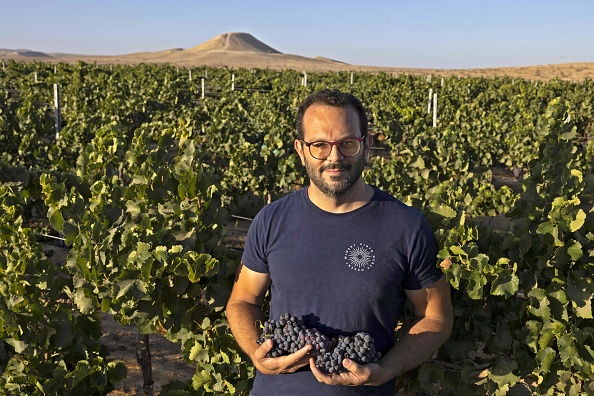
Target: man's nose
[{"x": 335, "y": 154}]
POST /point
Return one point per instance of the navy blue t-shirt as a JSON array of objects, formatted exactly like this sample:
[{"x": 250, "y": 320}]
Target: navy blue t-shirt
[{"x": 340, "y": 273}]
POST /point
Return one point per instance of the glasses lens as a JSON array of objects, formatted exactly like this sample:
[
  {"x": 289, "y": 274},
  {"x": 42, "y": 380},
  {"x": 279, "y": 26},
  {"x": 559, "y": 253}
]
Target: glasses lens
[
  {"x": 349, "y": 147},
  {"x": 320, "y": 150}
]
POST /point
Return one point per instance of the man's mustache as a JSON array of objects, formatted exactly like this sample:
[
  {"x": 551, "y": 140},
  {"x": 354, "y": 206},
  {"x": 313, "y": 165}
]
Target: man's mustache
[{"x": 336, "y": 166}]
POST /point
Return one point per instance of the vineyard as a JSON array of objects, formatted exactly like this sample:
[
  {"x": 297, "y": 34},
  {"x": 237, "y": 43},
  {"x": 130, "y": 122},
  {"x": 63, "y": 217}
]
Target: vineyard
[{"x": 146, "y": 165}]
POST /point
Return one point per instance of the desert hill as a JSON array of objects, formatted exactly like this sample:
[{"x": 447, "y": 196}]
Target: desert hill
[
  {"x": 22, "y": 53},
  {"x": 234, "y": 42},
  {"x": 242, "y": 50}
]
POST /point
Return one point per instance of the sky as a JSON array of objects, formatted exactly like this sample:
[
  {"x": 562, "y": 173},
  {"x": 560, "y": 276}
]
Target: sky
[{"x": 442, "y": 34}]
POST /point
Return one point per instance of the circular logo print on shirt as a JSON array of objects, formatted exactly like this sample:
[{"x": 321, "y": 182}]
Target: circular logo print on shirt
[{"x": 359, "y": 257}]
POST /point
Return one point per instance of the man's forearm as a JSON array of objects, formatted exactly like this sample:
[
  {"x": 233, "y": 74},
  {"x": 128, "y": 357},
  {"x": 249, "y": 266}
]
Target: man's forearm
[
  {"x": 244, "y": 320},
  {"x": 416, "y": 346}
]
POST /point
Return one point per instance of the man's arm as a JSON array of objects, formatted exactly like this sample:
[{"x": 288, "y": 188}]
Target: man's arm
[
  {"x": 433, "y": 326},
  {"x": 244, "y": 307},
  {"x": 244, "y": 312}
]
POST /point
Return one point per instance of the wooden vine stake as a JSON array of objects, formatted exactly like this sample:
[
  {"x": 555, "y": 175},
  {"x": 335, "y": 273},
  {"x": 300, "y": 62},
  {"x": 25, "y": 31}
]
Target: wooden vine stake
[
  {"x": 233, "y": 82},
  {"x": 203, "y": 83},
  {"x": 434, "y": 110},
  {"x": 429, "y": 103},
  {"x": 351, "y": 79},
  {"x": 57, "y": 110}
]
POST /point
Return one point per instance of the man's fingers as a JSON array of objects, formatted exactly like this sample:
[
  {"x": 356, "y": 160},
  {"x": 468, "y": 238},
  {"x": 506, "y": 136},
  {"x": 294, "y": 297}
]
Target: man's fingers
[
  {"x": 303, "y": 352},
  {"x": 264, "y": 349},
  {"x": 298, "y": 358}
]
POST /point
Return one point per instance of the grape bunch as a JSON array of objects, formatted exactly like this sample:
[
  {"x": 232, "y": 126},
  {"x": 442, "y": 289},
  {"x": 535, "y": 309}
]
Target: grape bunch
[
  {"x": 290, "y": 335},
  {"x": 359, "y": 348}
]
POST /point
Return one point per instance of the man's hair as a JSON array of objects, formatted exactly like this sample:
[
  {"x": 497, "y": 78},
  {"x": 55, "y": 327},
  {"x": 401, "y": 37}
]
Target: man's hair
[{"x": 335, "y": 98}]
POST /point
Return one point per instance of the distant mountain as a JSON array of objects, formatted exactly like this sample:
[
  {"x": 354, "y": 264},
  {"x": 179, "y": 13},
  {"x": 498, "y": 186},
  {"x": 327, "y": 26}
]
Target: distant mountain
[
  {"x": 25, "y": 53},
  {"x": 234, "y": 42},
  {"x": 238, "y": 50}
]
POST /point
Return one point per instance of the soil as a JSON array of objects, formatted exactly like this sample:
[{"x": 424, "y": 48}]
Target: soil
[{"x": 167, "y": 361}]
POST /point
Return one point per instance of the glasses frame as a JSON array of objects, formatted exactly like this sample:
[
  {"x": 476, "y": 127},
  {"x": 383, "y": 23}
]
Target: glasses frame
[{"x": 332, "y": 144}]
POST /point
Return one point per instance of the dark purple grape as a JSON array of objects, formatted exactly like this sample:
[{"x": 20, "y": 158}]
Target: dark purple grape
[
  {"x": 289, "y": 335},
  {"x": 358, "y": 348}
]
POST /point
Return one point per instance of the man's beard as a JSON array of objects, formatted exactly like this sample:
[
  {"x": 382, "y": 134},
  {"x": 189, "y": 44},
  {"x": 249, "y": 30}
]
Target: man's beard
[{"x": 335, "y": 189}]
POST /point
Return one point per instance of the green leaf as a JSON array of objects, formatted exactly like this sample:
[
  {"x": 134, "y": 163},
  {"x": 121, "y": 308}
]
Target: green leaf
[
  {"x": 444, "y": 211},
  {"x": 545, "y": 357},
  {"x": 575, "y": 251},
  {"x": 123, "y": 287},
  {"x": 79, "y": 374},
  {"x": 502, "y": 372},
  {"x": 568, "y": 352},
  {"x": 419, "y": 163},
  {"x": 160, "y": 253},
  {"x": 430, "y": 375},
  {"x": 547, "y": 228},
  {"x": 534, "y": 328},
  {"x": 476, "y": 281},
  {"x": 56, "y": 219},
  {"x": 197, "y": 353},
  {"x": 116, "y": 371},
  {"x": 84, "y": 304},
  {"x": 457, "y": 250},
  {"x": 580, "y": 290},
  {"x": 506, "y": 284},
  {"x": 200, "y": 378},
  {"x": 133, "y": 208},
  {"x": 19, "y": 346},
  {"x": 539, "y": 304},
  {"x": 569, "y": 135},
  {"x": 576, "y": 224}
]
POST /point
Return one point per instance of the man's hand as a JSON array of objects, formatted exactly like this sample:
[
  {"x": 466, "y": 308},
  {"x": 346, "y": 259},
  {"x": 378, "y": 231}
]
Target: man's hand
[
  {"x": 283, "y": 364},
  {"x": 357, "y": 374}
]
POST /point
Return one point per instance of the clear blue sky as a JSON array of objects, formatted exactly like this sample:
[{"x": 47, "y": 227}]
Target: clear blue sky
[{"x": 414, "y": 33}]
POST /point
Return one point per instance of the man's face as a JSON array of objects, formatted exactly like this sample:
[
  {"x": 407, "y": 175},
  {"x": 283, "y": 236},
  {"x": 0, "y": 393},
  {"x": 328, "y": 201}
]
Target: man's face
[{"x": 335, "y": 175}]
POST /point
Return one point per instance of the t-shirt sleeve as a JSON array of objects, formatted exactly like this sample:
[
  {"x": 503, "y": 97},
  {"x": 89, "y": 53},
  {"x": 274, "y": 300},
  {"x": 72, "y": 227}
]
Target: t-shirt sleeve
[
  {"x": 423, "y": 271},
  {"x": 254, "y": 254}
]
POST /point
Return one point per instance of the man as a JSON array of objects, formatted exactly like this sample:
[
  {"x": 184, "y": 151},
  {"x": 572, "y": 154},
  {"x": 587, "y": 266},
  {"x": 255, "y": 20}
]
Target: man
[{"x": 343, "y": 256}]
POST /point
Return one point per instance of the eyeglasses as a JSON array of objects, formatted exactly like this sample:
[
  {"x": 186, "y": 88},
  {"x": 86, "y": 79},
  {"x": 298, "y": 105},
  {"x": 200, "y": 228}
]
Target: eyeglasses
[{"x": 321, "y": 150}]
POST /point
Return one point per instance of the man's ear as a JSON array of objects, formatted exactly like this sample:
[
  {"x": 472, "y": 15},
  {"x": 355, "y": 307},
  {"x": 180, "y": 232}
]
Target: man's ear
[
  {"x": 299, "y": 149},
  {"x": 367, "y": 148}
]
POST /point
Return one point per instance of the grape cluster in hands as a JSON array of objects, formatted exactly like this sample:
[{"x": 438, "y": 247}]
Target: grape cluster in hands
[
  {"x": 290, "y": 335},
  {"x": 359, "y": 348}
]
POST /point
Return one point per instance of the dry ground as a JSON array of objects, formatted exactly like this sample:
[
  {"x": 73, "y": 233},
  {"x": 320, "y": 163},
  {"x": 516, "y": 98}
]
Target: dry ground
[{"x": 166, "y": 358}]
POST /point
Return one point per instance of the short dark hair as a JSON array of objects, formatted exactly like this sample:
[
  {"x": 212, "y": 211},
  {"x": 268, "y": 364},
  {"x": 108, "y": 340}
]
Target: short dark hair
[{"x": 335, "y": 98}]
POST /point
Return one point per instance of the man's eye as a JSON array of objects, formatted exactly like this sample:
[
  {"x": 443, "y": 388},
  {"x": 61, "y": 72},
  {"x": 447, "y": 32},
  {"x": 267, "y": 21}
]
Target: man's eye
[
  {"x": 319, "y": 145},
  {"x": 347, "y": 143}
]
